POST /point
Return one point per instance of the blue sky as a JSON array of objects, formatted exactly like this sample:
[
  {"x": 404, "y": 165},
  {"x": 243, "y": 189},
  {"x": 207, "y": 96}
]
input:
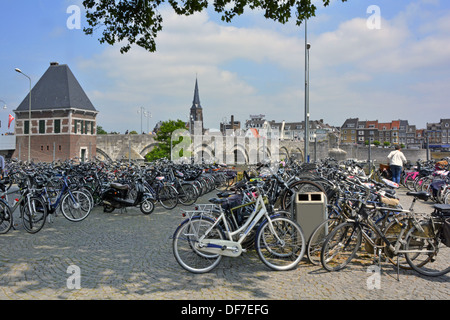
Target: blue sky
[{"x": 400, "y": 70}]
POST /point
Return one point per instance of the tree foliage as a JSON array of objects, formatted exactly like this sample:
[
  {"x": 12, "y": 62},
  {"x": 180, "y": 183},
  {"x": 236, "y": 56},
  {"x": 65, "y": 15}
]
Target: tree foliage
[
  {"x": 138, "y": 21},
  {"x": 100, "y": 130},
  {"x": 163, "y": 136}
]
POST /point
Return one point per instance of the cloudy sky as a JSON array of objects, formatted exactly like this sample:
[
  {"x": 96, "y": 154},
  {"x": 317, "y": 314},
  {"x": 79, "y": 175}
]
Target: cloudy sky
[{"x": 387, "y": 64}]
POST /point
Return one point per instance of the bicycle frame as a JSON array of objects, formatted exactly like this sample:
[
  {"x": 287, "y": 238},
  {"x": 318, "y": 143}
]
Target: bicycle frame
[
  {"x": 52, "y": 206},
  {"x": 234, "y": 248}
]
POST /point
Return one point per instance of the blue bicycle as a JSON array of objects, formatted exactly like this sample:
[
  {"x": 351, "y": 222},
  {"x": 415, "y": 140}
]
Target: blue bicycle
[{"x": 75, "y": 205}]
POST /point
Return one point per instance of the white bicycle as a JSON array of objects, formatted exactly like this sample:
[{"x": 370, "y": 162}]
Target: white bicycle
[{"x": 200, "y": 241}]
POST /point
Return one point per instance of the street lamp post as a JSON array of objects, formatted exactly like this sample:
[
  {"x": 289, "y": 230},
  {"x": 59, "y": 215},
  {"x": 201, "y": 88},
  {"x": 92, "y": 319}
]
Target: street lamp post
[
  {"x": 307, "y": 47},
  {"x": 315, "y": 147},
  {"x": 29, "y": 116},
  {"x": 146, "y": 114}
]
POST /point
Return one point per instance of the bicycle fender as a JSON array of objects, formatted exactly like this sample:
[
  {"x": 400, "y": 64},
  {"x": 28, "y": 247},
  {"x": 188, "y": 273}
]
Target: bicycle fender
[
  {"x": 197, "y": 217},
  {"x": 265, "y": 220}
]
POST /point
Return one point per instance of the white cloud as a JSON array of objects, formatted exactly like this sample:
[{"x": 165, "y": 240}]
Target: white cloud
[{"x": 352, "y": 72}]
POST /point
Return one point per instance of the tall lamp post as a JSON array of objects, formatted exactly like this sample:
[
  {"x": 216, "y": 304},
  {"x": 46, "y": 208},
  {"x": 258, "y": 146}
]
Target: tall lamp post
[
  {"x": 307, "y": 47},
  {"x": 29, "y": 117}
]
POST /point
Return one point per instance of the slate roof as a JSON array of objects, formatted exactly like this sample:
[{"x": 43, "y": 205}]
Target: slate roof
[{"x": 57, "y": 89}]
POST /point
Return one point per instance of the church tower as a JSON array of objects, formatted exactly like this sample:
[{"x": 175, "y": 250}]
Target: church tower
[{"x": 196, "y": 113}]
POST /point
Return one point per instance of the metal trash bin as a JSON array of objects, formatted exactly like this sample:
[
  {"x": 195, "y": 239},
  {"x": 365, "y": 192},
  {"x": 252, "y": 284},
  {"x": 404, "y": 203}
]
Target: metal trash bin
[{"x": 309, "y": 210}]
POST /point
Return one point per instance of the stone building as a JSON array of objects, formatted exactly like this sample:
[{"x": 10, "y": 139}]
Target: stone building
[{"x": 63, "y": 119}]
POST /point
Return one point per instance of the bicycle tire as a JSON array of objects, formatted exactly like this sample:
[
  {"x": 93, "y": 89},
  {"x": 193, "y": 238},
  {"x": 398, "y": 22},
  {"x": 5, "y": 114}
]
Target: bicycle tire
[
  {"x": 391, "y": 232},
  {"x": 187, "y": 195},
  {"x": 5, "y": 218},
  {"x": 340, "y": 246},
  {"x": 317, "y": 238},
  {"x": 284, "y": 255},
  {"x": 76, "y": 206},
  {"x": 34, "y": 214},
  {"x": 434, "y": 260},
  {"x": 168, "y": 197},
  {"x": 185, "y": 237}
]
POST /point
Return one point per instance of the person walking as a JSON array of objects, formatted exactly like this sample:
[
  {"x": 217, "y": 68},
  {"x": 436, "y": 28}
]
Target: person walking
[{"x": 396, "y": 161}]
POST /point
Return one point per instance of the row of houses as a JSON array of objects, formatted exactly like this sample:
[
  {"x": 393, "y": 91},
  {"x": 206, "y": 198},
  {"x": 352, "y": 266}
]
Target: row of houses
[
  {"x": 436, "y": 135},
  {"x": 356, "y": 131}
]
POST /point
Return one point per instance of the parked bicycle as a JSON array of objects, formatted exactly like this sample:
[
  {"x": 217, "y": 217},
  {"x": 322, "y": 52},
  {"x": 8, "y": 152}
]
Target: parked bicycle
[{"x": 200, "y": 242}]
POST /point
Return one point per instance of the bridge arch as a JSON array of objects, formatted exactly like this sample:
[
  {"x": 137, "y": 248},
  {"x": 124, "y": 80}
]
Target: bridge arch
[
  {"x": 203, "y": 152},
  {"x": 240, "y": 154},
  {"x": 103, "y": 154},
  {"x": 148, "y": 148},
  {"x": 283, "y": 153}
]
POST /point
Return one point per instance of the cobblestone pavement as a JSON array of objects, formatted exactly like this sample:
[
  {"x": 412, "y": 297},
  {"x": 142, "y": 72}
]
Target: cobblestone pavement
[{"x": 129, "y": 256}]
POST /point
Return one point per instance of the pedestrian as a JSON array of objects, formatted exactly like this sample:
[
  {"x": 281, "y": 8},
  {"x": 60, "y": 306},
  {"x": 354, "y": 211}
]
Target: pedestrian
[{"x": 396, "y": 161}]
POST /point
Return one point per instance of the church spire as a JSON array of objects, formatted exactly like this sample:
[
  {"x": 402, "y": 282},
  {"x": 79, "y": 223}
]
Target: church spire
[
  {"x": 196, "y": 101},
  {"x": 196, "y": 114}
]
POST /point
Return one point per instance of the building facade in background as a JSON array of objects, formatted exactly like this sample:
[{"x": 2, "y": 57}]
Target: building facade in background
[{"x": 63, "y": 119}]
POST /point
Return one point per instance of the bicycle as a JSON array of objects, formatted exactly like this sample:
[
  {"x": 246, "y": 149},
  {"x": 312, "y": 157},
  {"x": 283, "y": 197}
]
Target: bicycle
[
  {"x": 397, "y": 238},
  {"x": 200, "y": 241},
  {"x": 33, "y": 211},
  {"x": 75, "y": 205},
  {"x": 428, "y": 244}
]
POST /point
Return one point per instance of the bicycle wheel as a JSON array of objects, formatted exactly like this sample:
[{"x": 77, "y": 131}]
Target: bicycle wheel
[
  {"x": 168, "y": 197},
  {"x": 391, "y": 232},
  {"x": 280, "y": 243},
  {"x": 317, "y": 238},
  {"x": 409, "y": 183},
  {"x": 187, "y": 195},
  {"x": 5, "y": 218},
  {"x": 185, "y": 248},
  {"x": 429, "y": 256},
  {"x": 340, "y": 246},
  {"x": 34, "y": 214},
  {"x": 75, "y": 205}
]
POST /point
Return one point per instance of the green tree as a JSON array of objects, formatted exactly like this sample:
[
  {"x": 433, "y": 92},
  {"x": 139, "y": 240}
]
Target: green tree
[
  {"x": 386, "y": 143},
  {"x": 164, "y": 137},
  {"x": 100, "y": 130},
  {"x": 377, "y": 143},
  {"x": 139, "y": 21}
]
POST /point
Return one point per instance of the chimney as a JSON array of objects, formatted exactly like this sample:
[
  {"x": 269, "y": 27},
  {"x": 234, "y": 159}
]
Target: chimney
[
  {"x": 54, "y": 63},
  {"x": 232, "y": 122}
]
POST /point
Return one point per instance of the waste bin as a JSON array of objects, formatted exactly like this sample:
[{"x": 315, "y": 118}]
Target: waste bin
[{"x": 310, "y": 210}]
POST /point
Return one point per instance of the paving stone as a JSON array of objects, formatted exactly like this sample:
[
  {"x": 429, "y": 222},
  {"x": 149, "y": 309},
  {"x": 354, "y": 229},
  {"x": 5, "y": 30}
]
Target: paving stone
[{"x": 129, "y": 256}]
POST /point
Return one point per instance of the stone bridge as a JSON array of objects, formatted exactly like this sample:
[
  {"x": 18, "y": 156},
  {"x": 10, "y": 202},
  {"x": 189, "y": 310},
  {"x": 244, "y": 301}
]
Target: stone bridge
[
  {"x": 230, "y": 149},
  {"x": 244, "y": 150}
]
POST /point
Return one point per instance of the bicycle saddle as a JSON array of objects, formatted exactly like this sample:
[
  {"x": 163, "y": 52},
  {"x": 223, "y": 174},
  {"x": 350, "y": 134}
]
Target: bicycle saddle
[
  {"x": 119, "y": 186},
  {"x": 218, "y": 200},
  {"x": 224, "y": 194},
  {"x": 422, "y": 195},
  {"x": 443, "y": 209}
]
